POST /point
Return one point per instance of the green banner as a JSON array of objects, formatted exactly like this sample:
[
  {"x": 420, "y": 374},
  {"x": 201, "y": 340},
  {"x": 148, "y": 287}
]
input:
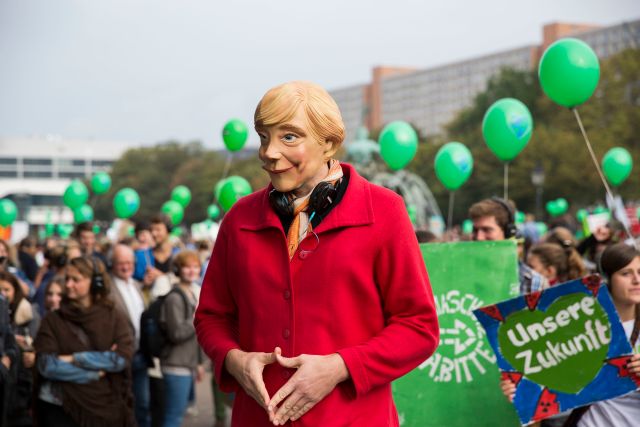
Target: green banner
[{"x": 459, "y": 384}]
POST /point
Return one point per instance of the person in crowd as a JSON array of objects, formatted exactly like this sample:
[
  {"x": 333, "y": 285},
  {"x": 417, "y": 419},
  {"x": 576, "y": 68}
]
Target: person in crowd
[
  {"x": 8, "y": 263},
  {"x": 73, "y": 249},
  {"x": 55, "y": 261},
  {"x": 27, "y": 249},
  {"x": 182, "y": 360},
  {"x": 9, "y": 355},
  {"x": 87, "y": 239},
  {"x": 324, "y": 238},
  {"x": 620, "y": 266},
  {"x": 143, "y": 235},
  {"x": 494, "y": 219},
  {"x": 592, "y": 246},
  {"x": 84, "y": 351},
  {"x": 127, "y": 297},
  {"x": 53, "y": 293},
  {"x": 24, "y": 322},
  {"x": 558, "y": 263},
  {"x": 153, "y": 264}
]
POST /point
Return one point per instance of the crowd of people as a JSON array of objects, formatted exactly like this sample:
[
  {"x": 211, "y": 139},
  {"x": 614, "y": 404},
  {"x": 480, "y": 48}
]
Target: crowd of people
[
  {"x": 70, "y": 319},
  {"x": 315, "y": 299}
]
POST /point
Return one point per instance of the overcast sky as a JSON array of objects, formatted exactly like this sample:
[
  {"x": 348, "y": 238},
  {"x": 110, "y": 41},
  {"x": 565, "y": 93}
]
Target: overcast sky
[{"x": 148, "y": 71}]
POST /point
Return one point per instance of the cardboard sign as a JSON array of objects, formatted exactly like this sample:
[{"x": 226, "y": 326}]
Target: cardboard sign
[
  {"x": 461, "y": 377},
  {"x": 563, "y": 348}
]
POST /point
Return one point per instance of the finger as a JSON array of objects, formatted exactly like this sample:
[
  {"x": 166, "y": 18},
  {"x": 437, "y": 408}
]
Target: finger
[
  {"x": 289, "y": 362},
  {"x": 303, "y": 410},
  {"x": 261, "y": 396},
  {"x": 281, "y": 394},
  {"x": 289, "y": 407}
]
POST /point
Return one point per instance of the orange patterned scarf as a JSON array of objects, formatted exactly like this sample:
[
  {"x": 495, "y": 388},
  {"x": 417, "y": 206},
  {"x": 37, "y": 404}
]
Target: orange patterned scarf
[{"x": 301, "y": 224}]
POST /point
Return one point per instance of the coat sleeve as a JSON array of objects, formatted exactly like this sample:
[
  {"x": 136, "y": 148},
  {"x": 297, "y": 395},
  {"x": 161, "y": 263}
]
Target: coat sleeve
[
  {"x": 411, "y": 333},
  {"x": 123, "y": 336},
  {"x": 216, "y": 316}
]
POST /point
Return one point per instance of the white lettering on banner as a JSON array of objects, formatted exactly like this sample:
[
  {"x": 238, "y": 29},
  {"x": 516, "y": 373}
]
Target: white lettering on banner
[
  {"x": 520, "y": 336},
  {"x": 591, "y": 339},
  {"x": 462, "y": 353}
]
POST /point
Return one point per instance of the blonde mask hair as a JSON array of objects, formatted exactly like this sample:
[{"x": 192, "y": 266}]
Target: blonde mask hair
[{"x": 281, "y": 103}]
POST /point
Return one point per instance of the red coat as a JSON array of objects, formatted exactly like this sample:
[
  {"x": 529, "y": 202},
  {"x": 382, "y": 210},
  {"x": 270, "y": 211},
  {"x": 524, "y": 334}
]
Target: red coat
[{"x": 364, "y": 293}]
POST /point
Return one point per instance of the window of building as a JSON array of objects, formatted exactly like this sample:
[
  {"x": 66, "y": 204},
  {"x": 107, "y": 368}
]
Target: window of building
[
  {"x": 37, "y": 161},
  {"x": 102, "y": 163},
  {"x": 8, "y": 161},
  {"x": 37, "y": 174},
  {"x": 71, "y": 174},
  {"x": 9, "y": 174}
]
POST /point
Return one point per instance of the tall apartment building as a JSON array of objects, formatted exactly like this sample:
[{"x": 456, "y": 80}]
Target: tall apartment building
[{"x": 430, "y": 98}]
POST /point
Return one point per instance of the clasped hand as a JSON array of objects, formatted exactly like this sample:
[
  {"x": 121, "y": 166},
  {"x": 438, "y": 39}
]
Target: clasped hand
[{"x": 315, "y": 377}]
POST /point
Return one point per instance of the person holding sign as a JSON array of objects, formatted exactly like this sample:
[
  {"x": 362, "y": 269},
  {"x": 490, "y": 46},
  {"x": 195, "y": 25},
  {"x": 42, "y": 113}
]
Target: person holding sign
[
  {"x": 316, "y": 296},
  {"x": 620, "y": 264},
  {"x": 494, "y": 219}
]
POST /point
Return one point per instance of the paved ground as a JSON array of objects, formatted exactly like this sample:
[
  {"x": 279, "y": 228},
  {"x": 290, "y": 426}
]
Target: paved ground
[{"x": 204, "y": 403}]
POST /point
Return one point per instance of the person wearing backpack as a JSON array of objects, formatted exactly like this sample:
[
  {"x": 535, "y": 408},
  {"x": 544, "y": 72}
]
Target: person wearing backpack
[{"x": 181, "y": 357}]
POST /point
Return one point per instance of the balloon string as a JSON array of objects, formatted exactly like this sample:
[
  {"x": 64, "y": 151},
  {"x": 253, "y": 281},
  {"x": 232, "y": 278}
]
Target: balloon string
[
  {"x": 227, "y": 165},
  {"x": 450, "y": 215},
  {"x": 597, "y": 165},
  {"x": 506, "y": 181}
]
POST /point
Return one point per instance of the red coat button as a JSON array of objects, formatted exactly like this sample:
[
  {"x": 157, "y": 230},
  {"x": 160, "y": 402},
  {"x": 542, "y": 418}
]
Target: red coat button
[
  {"x": 286, "y": 294},
  {"x": 286, "y": 333}
]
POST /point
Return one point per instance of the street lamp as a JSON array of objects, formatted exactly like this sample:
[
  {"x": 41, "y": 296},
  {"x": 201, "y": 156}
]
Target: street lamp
[{"x": 537, "y": 178}]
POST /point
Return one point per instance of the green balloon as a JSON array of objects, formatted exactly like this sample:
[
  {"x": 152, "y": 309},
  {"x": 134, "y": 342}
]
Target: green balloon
[
  {"x": 520, "y": 217},
  {"x": 176, "y": 232},
  {"x": 75, "y": 195},
  {"x": 617, "y": 165},
  {"x": 174, "y": 211},
  {"x": 82, "y": 214},
  {"x": 100, "y": 183},
  {"x": 453, "y": 165},
  {"x": 8, "y": 212},
  {"x": 182, "y": 195},
  {"x": 96, "y": 229},
  {"x": 562, "y": 205},
  {"x": 581, "y": 214},
  {"x": 467, "y": 226},
  {"x": 218, "y": 187},
  {"x": 398, "y": 144},
  {"x": 213, "y": 212},
  {"x": 412, "y": 211},
  {"x": 569, "y": 72},
  {"x": 600, "y": 209},
  {"x": 542, "y": 228},
  {"x": 126, "y": 202},
  {"x": 507, "y": 128},
  {"x": 65, "y": 230},
  {"x": 235, "y": 134},
  {"x": 233, "y": 189},
  {"x": 552, "y": 208},
  {"x": 49, "y": 229}
]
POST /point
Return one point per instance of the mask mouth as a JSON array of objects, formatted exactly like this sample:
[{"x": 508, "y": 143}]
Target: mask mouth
[{"x": 2, "y": 259}]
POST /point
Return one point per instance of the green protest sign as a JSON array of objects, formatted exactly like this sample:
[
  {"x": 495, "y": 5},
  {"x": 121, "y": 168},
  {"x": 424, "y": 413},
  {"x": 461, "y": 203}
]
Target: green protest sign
[{"x": 461, "y": 377}]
